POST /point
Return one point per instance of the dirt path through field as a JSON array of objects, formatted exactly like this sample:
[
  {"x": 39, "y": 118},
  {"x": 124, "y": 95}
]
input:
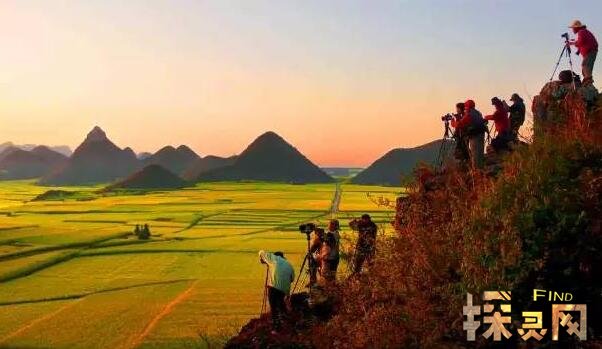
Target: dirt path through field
[
  {"x": 336, "y": 201},
  {"x": 164, "y": 312},
  {"x": 34, "y": 322}
]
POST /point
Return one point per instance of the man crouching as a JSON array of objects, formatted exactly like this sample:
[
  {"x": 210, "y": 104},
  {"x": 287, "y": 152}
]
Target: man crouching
[{"x": 280, "y": 276}]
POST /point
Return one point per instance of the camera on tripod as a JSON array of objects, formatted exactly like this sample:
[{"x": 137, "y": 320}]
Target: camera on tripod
[
  {"x": 307, "y": 228},
  {"x": 566, "y": 52},
  {"x": 447, "y": 117}
]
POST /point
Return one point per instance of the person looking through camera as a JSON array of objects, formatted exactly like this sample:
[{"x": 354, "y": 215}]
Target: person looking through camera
[
  {"x": 502, "y": 125},
  {"x": 461, "y": 152},
  {"x": 330, "y": 251},
  {"x": 280, "y": 276},
  {"x": 587, "y": 47},
  {"x": 315, "y": 252},
  {"x": 366, "y": 241},
  {"x": 473, "y": 127}
]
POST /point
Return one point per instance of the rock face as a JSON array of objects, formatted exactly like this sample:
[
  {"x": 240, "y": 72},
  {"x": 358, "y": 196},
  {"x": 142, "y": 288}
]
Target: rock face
[
  {"x": 174, "y": 159},
  {"x": 389, "y": 169},
  {"x": 269, "y": 158},
  {"x": 549, "y": 106},
  {"x": 21, "y": 164},
  {"x": 96, "y": 160},
  {"x": 150, "y": 177},
  {"x": 206, "y": 164}
]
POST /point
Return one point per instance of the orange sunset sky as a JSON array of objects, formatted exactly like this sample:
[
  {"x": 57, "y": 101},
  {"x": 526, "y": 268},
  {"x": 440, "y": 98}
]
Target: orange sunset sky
[{"x": 343, "y": 81}]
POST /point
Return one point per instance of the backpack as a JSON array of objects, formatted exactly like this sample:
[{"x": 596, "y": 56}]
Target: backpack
[
  {"x": 477, "y": 125},
  {"x": 568, "y": 76},
  {"x": 332, "y": 242}
]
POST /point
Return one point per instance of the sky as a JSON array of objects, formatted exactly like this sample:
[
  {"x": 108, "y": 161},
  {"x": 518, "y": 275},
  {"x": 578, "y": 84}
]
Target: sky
[{"x": 343, "y": 81}]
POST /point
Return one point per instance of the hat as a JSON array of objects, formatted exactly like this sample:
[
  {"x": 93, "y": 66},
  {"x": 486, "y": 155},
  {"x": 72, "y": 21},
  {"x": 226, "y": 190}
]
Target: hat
[{"x": 576, "y": 24}]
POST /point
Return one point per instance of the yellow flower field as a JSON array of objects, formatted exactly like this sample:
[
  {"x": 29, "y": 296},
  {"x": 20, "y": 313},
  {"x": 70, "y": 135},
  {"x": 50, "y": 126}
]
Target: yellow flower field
[{"x": 73, "y": 276}]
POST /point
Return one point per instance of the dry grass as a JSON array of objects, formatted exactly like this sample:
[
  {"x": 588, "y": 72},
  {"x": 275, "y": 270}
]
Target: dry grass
[{"x": 537, "y": 224}]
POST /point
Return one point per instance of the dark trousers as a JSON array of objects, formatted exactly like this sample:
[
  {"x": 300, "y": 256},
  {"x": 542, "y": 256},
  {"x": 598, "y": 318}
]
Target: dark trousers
[
  {"x": 277, "y": 306},
  {"x": 329, "y": 269},
  {"x": 500, "y": 142},
  {"x": 461, "y": 153},
  {"x": 362, "y": 255},
  {"x": 515, "y": 125},
  {"x": 333, "y": 264}
]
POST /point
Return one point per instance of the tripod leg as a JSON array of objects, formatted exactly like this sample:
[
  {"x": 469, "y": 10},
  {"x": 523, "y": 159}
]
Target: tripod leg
[
  {"x": 265, "y": 293},
  {"x": 568, "y": 52},
  {"x": 558, "y": 62},
  {"x": 300, "y": 273},
  {"x": 440, "y": 157}
]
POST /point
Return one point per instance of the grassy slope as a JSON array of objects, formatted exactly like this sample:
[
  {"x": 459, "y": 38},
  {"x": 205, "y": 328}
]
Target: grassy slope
[{"x": 536, "y": 225}]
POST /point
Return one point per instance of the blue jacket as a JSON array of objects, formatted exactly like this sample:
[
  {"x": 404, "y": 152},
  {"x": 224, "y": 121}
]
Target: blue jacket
[{"x": 281, "y": 273}]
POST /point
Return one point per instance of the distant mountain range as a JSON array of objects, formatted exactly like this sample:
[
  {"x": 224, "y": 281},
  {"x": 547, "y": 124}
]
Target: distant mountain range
[
  {"x": 96, "y": 160},
  {"x": 342, "y": 171},
  {"x": 143, "y": 155},
  {"x": 16, "y": 163},
  {"x": 175, "y": 160},
  {"x": 269, "y": 158},
  {"x": 208, "y": 163},
  {"x": 397, "y": 163},
  {"x": 63, "y": 149},
  {"x": 150, "y": 177}
]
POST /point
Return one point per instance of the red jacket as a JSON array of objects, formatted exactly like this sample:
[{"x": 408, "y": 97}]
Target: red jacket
[
  {"x": 500, "y": 117},
  {"x": 460, "y": 124},
  {"x": 465, "y": 121},
  {"x": 586, "y": 42}
]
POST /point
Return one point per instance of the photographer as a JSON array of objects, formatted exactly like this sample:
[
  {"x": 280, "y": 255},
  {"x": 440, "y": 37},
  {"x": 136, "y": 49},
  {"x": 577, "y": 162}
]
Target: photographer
[
  {"x": 517, "y": 115},
  {"x": 587, "y": 46},
  {"x": 330, "y": 251},
  {"x": 473, "y": 127},
  {"x": 280, "y": 277},
  {"x": 324, "y": 253},
  {"x": 461, "y": 152},
  {"x": 502, "y": 125},
  {"x": 366, "y": 241},
  {"x": 315, "y": 250}
]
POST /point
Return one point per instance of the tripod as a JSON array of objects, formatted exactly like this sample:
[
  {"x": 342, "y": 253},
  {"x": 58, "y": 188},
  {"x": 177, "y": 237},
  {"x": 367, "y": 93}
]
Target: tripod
[
  {"x": 307, "y": 260},
  {"x": 566, "y": 51},
  {"x": 265, "y": 292},
  {"x": 446, "y": 145}
]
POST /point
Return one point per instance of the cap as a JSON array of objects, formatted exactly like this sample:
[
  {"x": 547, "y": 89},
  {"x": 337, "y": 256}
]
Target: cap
[{"x": 576, "y": 24}]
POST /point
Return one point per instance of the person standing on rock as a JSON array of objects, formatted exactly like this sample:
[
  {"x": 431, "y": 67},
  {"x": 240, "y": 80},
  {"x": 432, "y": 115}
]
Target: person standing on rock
[
  {"x": 366, "y": 241},
  {"x": 587, "y": 47},
  {"x": 315, "y": 253},
  {"x": 517, "y": 115},
  {"x": 473, "y": 127},
  {"x": 502, "y": 125},
  {"x": 461, "y": 152},
  {"x": 331, "y": 250},
  {"x": 280, "y": 276}
]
